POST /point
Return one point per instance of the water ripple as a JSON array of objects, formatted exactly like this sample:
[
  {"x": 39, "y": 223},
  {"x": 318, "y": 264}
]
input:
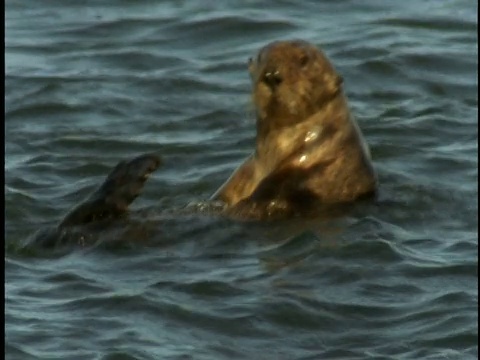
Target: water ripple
[{"x": 87, "y": 86}]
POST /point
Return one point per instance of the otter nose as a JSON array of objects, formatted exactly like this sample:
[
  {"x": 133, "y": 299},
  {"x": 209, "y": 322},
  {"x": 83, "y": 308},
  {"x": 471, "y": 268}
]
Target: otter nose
[{"x": 272, "y": 78}]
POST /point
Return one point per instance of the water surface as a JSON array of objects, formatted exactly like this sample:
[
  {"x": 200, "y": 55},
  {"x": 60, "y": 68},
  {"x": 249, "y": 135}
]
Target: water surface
[{"x": 90, "y": 83}]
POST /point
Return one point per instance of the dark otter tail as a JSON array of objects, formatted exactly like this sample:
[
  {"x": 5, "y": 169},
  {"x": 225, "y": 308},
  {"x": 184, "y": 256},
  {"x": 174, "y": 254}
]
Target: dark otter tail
[{"x": 112, "y": 198}]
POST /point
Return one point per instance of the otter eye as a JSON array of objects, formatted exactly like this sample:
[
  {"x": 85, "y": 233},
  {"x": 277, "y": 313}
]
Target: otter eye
[{"x": 304, "y": 60}]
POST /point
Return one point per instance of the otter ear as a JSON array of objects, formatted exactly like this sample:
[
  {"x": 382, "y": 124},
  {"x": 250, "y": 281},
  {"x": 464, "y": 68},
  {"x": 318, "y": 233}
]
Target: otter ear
[
  {"x": 336, "y": 83},
  {"x": 339, "y": 80},
  {"x": 333, "y": 83}
]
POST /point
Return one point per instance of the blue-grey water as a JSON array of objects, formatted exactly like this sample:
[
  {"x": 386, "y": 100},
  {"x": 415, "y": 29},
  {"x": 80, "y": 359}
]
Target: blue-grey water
[{"x": 89, "y": 83}]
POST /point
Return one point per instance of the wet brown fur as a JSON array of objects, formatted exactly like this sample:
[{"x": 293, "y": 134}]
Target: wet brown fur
[{"x": 309, "y": 149}]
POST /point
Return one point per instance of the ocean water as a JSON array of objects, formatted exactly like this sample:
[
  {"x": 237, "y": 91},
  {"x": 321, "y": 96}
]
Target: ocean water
[{"x": 90, "y": 83}]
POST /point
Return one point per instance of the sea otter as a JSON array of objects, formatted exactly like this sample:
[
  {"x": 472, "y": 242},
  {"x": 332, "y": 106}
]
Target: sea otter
[{"x": 309, "y": 151}]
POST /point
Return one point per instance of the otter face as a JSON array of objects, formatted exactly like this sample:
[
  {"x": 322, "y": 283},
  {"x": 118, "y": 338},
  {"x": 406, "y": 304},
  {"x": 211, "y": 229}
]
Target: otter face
[{"x": 291, "y": 80}]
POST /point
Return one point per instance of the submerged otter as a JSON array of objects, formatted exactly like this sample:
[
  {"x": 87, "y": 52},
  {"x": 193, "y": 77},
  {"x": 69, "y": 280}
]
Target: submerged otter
[{"x": 309, "y": 150}]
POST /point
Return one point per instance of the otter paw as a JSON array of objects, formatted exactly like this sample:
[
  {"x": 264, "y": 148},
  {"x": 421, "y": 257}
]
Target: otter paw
[
  {"x": 126, "y": 180},
  {"x": 116, "y": 193}
]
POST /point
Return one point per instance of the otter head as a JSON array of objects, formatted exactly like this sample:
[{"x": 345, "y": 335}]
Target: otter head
[{"x": 291, "y": 81}]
